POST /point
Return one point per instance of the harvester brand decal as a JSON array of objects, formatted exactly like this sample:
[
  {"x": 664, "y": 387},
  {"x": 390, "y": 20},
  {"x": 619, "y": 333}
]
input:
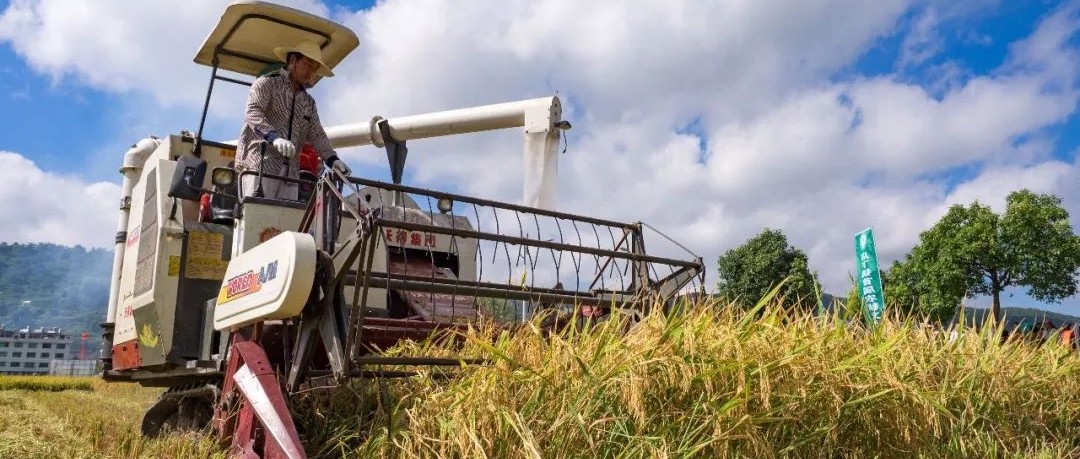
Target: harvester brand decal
[
  {"x": 412, "y": 238},
  {"x": 147, "y": 337},
  {"x": 247, "y": 283},
  {"x": 133, "y": 237},
  {"x": 228, "y": 153}
]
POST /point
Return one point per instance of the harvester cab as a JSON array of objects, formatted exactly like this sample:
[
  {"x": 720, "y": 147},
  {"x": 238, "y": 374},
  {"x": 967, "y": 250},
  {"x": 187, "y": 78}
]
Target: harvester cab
[{"x": 234, "y": 302}]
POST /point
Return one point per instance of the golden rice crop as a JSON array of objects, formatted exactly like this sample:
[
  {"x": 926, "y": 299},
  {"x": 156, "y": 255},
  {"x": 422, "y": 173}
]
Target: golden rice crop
[
  {"x": 724, "y": 383},
  {"x": 45, "y": 383},
  {"x": 98, "y": 423},
  {"x": 713, "y": 382}
]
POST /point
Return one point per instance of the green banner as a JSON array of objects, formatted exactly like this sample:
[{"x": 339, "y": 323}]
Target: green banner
[{"x": 869, "y": 277}]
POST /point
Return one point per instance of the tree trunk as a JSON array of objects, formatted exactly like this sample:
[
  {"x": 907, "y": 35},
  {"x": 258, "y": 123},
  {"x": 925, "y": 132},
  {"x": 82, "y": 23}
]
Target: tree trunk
[
  {"x": 995, "y": 308},
  {"x": 995, "y": 289}
]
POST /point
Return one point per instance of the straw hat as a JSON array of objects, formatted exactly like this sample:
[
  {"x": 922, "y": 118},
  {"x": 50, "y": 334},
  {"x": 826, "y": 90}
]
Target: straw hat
[{"x": 309, "y": 50}]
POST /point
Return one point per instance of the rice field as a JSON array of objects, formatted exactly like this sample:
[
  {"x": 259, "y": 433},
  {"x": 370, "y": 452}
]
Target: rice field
[
  {"x": 45, "y": 383},
  {"x": 90, "y": 419},
  {"x": 722, "y": 383},
  {"x": 713, "y": 383}
]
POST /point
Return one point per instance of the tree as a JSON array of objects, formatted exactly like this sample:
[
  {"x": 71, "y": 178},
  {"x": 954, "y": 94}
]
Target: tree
[
  {"x": 934, "y": 296},
  {"x": 748, "y": 272},
  {"x": 974, "y": 251}
]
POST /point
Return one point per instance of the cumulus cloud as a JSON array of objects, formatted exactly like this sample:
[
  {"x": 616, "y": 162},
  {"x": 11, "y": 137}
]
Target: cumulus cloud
[
  {"x": 39, "y": 206},
  {"x": 715, "y": 124},
  {"x": 123, "y": 46},
  {"x": 709, "y": 120},
  {"x": 678, "y": 59}
]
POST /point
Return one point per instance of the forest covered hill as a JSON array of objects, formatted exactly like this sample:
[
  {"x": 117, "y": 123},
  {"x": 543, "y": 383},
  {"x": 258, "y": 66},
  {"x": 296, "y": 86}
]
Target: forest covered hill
[
  {"x": 1014, "y": 316},
  {"x": 49, "y": 285}
]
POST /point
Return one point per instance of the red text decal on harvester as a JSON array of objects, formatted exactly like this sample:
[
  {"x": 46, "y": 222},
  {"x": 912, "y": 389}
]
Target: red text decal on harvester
[{"x": 238, "y": 304}]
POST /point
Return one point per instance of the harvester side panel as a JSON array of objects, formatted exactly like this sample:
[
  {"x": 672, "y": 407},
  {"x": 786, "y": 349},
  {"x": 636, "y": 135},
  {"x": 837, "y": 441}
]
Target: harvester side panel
[
  {"x": 149, "y": 322},
  {"x": 148, "y": 287}
]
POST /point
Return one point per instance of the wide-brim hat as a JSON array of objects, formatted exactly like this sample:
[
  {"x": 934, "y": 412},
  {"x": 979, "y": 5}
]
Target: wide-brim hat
[{"x": 309, "y": 50}]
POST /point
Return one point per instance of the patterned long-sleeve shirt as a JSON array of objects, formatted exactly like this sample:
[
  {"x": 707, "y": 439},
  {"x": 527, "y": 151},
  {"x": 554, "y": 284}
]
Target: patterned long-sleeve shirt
[{"x": 269, "y": 103}]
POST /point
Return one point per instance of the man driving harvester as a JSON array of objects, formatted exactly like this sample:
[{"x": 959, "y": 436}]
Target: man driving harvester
[{"x": 281, "y": 116}]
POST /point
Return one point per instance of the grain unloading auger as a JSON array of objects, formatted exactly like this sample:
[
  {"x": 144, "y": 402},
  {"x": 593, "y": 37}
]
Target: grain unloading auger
[{"x": 234, "y": 304}]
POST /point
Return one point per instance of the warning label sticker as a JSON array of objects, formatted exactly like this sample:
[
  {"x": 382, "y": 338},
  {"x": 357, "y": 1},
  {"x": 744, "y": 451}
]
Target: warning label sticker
[
  {"x": 205, "y": 268},
  {"x": 204, "y": 256},
  {"x": 174, "y": 265},
  {"x": 205, "y": 245}
]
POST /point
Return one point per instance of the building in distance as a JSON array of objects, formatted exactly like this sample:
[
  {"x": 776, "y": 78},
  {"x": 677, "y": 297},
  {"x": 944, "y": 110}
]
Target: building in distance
[{"x": 29, "y": 351}]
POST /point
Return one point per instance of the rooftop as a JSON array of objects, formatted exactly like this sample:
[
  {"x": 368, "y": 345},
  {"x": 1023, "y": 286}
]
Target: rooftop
[{"x": 40, "y": 332}]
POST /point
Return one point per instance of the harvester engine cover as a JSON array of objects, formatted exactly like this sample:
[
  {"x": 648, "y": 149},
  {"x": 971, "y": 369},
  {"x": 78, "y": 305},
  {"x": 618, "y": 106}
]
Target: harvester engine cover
[{"x": 270, "y": 281}]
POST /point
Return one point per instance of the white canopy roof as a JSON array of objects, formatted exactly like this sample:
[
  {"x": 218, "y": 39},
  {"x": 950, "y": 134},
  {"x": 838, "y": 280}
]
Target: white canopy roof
[{"x": 245, "y": 37}]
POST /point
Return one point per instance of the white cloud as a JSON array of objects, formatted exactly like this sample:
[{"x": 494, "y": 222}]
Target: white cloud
[
  {"x": 923, "y": 41},
  {"x": 786, "y": 144},
  {"x": 39, "y": 206},
  {"x": 994, "y": 185},
  {"x": 681, "y": 59},
  {"x": 121, "y": 46},
  {"x": 785, "y": 147},
  {"x": 138, "y": 51},
  {"x": 907, "y": 132}
]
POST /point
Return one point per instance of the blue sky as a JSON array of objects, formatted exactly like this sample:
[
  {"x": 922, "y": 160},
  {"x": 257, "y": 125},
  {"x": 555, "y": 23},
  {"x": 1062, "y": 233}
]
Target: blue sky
[
  {"x": 59, "y": 121},
  {"x": 977, "y": 43},
  {"x": 736, "y": 111}
]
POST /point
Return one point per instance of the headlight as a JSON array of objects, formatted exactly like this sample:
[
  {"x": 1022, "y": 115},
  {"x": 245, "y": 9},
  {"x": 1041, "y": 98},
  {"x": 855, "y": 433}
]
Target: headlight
[
  {"x": 445, "y": 205},
  {"x": 223, "y": 177}
]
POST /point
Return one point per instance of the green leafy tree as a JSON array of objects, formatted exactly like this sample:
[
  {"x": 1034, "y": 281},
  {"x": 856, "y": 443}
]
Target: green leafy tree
[
  {"x": 934, "y": 296},
  {"x": 974, "y": 251},
  {"x": 747, "y": 272}
]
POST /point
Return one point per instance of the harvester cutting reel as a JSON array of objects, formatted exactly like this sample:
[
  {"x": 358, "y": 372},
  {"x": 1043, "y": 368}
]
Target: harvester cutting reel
[{"x": 315, "y": 307}]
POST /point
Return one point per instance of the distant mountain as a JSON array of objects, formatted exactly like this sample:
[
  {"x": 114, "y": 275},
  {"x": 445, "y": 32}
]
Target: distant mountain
[
  {"x": 976, "y": 316},
  {"x": 49, "y": 285},
  {"x": 1015, "y": 316}
]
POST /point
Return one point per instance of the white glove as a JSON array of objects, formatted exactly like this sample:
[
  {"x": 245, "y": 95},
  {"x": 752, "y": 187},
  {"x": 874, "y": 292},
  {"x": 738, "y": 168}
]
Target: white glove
[
  {"x": 285, "y": 147},
  {"x": 340, "y": 166}
]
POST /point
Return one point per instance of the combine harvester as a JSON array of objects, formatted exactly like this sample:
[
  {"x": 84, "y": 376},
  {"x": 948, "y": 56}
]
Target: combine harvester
[{"x": 234, "y": 304}]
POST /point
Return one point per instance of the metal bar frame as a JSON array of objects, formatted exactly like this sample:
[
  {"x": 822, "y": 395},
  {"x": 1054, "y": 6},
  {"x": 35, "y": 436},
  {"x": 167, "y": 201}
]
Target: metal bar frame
[
  {"x": 488, "y": 289},
  {"x": 197, "y": 150},
  {"x": 600, "y": 271},
  {"x": 232, "y": 80},
  {"x": 328, "y": 204},
  {"x": 488, "y": 203},
  {"x": 472, "y": 234}
]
